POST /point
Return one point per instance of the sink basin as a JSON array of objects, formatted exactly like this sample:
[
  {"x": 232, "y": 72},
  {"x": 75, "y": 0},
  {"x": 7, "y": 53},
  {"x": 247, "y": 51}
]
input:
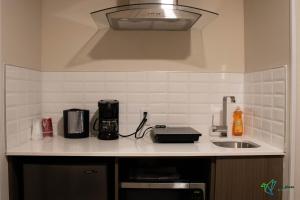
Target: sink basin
[{"x": 235, "y": 144}]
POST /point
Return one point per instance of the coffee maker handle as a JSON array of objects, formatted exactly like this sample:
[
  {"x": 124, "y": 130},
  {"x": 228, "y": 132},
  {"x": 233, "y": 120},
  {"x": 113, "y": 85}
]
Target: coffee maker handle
[{"x": 94, "y": 125}]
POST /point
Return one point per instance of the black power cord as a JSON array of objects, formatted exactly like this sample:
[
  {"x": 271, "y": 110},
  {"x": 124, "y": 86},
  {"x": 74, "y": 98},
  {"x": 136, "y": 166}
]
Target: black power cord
[
  {"x": 144, "y": 133},
  {"x": 139, "y": 128}
]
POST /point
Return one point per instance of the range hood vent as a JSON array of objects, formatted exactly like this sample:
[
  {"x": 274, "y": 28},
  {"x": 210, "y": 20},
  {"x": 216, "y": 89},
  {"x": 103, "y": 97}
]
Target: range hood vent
[{"x": 157, "y": 15}]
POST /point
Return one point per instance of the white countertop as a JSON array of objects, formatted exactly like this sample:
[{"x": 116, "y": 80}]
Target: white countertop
[{"x": 130, "y": 147}]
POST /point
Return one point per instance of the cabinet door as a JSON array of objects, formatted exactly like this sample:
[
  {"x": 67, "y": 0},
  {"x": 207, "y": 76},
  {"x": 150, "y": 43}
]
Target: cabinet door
[
  {"x": 239, "y": 178},
  {"x": 65, "y": 182}
]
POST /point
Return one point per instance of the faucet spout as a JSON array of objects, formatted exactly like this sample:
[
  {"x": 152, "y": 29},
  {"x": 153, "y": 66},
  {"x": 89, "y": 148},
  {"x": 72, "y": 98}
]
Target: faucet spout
[
  {"x": 232, "y": 98},
  {"x": 223, "y": 128}
]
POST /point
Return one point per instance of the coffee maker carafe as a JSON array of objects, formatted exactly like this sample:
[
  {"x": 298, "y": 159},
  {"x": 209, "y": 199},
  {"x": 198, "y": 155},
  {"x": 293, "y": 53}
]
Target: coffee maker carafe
[{"x": 108, "y": 127}]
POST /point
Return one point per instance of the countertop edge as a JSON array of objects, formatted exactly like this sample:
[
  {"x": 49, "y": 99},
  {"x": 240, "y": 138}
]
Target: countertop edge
[
  {"x": 142, "y": 155},
  {"x": 129, "y": 147}
]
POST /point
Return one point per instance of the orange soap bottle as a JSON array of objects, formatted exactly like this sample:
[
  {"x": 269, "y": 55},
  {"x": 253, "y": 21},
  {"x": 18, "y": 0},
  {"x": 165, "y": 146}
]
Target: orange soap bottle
[{"x": 237, "y": 125}]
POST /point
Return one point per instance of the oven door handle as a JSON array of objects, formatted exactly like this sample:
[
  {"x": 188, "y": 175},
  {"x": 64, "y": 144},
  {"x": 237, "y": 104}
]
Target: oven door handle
[{"x": 176, "y": 185}]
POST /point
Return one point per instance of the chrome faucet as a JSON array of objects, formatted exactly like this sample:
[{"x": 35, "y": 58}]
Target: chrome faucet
[{"x": 223, "y": 128}]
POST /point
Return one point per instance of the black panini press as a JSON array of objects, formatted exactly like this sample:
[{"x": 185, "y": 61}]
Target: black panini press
[{"x": 175, "y": 135}]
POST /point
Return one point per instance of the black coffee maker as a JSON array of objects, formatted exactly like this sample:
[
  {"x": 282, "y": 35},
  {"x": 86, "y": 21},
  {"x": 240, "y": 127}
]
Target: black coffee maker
[{"x": 108, "y": 126}]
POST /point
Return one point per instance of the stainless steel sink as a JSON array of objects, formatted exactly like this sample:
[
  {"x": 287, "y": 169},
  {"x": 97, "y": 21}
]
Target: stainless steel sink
[{"x": 236, "y": 144}]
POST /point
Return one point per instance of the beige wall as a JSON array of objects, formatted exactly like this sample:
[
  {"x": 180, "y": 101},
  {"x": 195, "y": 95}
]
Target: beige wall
[
  {"x": 22, "y": 32},
  {"x": 266, "y": 34},
  {"x": 297, "y": 142},
  {"x": 3, "y": 163},
  {"x": 70, "y": 41}
]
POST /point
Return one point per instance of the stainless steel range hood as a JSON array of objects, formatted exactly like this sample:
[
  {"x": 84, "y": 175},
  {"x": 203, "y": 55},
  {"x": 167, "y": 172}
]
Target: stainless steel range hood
[{"x": 158, "y": 15}]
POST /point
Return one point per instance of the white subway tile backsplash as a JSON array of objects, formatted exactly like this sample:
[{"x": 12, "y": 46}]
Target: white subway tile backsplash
[
  {"x": 177, "y": 120},
  {"x": 52, "y": 76},
  {"x": 278, "y": 128},
  {"x": 219, "y": 88},
  {"x": 49, "y": 86},
  {"x": 278, "y": 115},
  {"x": 74, "y": 87},
  {"x": 258, "y": 99},
  {"x": 257, "y": 77},
  {"x": 172, "y": 98},
  {"x": 12, "y": 86},
  {"x": 267, "y": 100},
  {"x": 123, "y": 108},
  {"x": 137, "y": 98},
  {"x": 137, "y": 76},
  {"x": 178, "y": 98},
  {"x": 200, "y": 108},
  {"x": 178, "y": 87},
  {"x": 11, "y": 114},
  {"x": 201, "y": 98},
  {"x": 94, "y": 87},
  {"x": 158, "y": 119},
  {"x": 158, "y": 98},
  {"x": 122, "y": 97},
  {"x": 257, "y": 123},
  {"x": 266, "y": 136},
  {"x": 235, "y": 78},
  {"x": 199, "y": 77},
  {"x": 11, "y": 72},
  {"x": 178, "y": 77},
  {"x": 279, "y": 87},
  {"x": 266, "y": 125},
  {"x": 178, "y": 108},
  {"x": 218, "y": 77},
  {"x": 267, "y": 76},
  {"x": 135, "y": 108},
  {"x": 157, "y": 77},
  {"x": 12, "y": 99},
  {"x": 12, "y": 127},
  {"x": 169, "y": 96},
  {"x": 200, "y": 119},
  {"x": 74, "y": 76},
  {"x": 114, "y": 76},
  {"x": 160, "y": 87},
  {"x": 279, "y": 101},
  {"x": 257, "y": 88},
  {"x": 115, "y": 87},
  {"x": 257, "y": 111},
  {"x": 52, "y": 108},
  {"x": 267, "y": 113},
  {"x": 133, "y": 118},
  {"x": 267, "y": 88},
  {"x": 136, "y": 87},
  {"x": 270, "y": 125},
  {"x": 53, "y": 98},
  {"x": 279, "y": 74},
  {"x": 90, "y": 98},
  {"x": 160, "y": 108},
  {"x": 22, "y": 112},
  {"x": 24, "y": 124},
  {"x": 23, "y": 103},
  {"x": 93, "y": 76},
  {"x": 199, "y": 87},
  {"x": 278, "y": 141}
]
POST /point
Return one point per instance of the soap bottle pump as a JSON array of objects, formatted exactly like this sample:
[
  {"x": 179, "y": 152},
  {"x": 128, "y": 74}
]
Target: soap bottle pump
[{"x": 237, "y": 125}]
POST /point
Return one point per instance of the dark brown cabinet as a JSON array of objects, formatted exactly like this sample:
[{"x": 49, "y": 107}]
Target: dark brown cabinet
[
  {"x": 225, "y": 178},
  {"x": 61, "y": 182},
  {"x": 240, "y": 178},
  {"x": 65, "y": 178}
]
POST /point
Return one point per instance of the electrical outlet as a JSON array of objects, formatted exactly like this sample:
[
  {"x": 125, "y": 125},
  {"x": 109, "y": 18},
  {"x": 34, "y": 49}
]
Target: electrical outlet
[{"x": 142, "y": 111}]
